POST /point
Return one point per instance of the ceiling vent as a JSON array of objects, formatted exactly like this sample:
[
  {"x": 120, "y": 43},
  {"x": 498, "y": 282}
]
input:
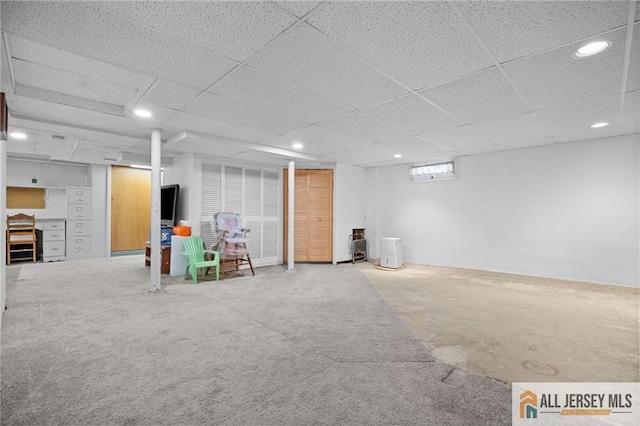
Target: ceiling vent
[{"x": 57, "y": 137}]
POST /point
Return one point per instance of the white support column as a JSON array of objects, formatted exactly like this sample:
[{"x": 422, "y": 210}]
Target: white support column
[
  {"x": 291, "y": 205},
  {"x": 156, "y": 253},
  {"x": 3, "y": 190}
]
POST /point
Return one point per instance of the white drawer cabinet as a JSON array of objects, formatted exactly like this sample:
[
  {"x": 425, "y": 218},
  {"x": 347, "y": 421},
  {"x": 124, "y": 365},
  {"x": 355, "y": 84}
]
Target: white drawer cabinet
[
  {"x": 78, "y": 242},
  {"x": 78, "y": 195},
  {"x": 53, "y": 251},
  {"x": 53, "y": 240},
  {"x": 78, "y": 228},
  {"x": 53, "y": 225},
  {"x": 79, "y": 247},
  {"x": 78, "y": 211}
]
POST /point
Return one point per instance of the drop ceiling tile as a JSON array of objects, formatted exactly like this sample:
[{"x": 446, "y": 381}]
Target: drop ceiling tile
[
  {"x": 421, "y": 43},
  {"x": 41, "y": 54},
  {"x": 304, "y": 57},
  {"x": 321, "y": 136},
  {"x": 556, "y": 78},
  {"x": 38, "y": 142},
  {"x": 210, "y": 146},
  {"x": 254, "y": 88},
  {"x": 631, "y": 109},
  {"x": 159, "y": 115},
  {"x": 88, "y": 119},
  {"x": 374, "y": 153},
  {"x": 572, "y": 123},
  {"x": 65, "y": 82},
  {"x": 515, "y": 29},
  {"x": 230, "y": 111},
  {"x": 86, "y": 151},
  {"x": 363, "y": 127},
  {"x": 170, "y": 95},
  {"x": 285, "y": 142},
  {"x": 84, "y": 29},
  {"x": 633, "y": 76},
  {"x": 206, "y": 125},
  {"x": 69, "y": 100},
  {"x": 59, "y": 59},
  {"x": 413, "y": 114},
  {"x": 506, "y": 130},
  {"x": 309, "y": 148},
  {"x": 200, "y": 150},
  {"x": 234, "y": 29},
  {"x": 605, "y": 132},
  {"x": 261, "y": 158},
  {"x": 333, "y": 158},
  {"x": 74, "y": 133},
  {"x": 483, "y": 96},
  {"x": 392, "y": 162},
  {"x": 579, "y": 117},
  {"x": 298, "y": 8},
  {"x": 420, "y": 148},
  {"x": 528, "y": 143}
]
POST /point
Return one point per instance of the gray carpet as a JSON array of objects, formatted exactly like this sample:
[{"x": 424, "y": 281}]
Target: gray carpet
[{"x": 84, "y": 342}]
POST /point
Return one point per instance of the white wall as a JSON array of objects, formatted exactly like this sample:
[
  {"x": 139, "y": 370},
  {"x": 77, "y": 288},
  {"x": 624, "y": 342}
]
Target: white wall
[
  {"x": 99, "y": 176},
  {"x": 185, "y": 172},
  {"x": 349, "y": 185},
  {"x": 564, "y": 211}
]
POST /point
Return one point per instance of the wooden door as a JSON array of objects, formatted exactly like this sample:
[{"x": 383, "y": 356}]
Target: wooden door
[
  {"x": 130, "y": 208},
  {"x": 313, "y": 215}
]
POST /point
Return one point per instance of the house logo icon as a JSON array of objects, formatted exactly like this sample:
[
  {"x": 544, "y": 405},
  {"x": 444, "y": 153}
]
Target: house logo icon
[{"x": 528, "y": 405}]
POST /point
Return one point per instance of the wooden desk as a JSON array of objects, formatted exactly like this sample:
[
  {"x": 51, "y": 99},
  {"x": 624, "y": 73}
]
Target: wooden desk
[{"x": 165, "y": 262}]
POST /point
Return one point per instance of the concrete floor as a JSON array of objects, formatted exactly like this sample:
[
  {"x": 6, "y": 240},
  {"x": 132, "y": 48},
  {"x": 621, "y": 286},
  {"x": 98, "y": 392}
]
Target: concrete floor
[{"x": 517, "y": 328}]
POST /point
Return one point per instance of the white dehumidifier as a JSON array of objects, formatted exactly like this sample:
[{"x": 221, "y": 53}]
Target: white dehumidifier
[{"x": 391, "y": 252}]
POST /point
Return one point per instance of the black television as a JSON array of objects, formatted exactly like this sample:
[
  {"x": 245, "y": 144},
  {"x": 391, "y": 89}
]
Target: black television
[{"x": 169, "y": 203}]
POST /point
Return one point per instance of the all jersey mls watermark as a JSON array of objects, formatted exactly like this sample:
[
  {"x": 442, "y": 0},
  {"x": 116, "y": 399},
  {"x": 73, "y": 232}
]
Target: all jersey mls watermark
[{"x": 545, "y": 403}]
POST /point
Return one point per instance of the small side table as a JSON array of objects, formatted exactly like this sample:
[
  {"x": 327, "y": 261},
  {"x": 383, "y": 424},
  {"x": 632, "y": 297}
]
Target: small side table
[{"x": 165, "y": 262}]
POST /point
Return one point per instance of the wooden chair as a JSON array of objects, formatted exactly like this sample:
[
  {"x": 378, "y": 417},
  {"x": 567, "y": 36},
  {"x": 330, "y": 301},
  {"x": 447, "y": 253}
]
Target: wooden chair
[
  {"x": 21, "y": 237},
  {"x": 195, "y": 253}
]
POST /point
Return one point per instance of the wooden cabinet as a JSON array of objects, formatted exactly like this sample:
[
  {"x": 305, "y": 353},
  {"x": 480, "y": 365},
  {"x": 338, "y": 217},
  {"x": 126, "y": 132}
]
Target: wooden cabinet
[
  {"x": 78, "y": 223},
  {"x": 53, "y": 240},
  {"x": 165, "y": 259},
  {"x": 313, "y": 215}
]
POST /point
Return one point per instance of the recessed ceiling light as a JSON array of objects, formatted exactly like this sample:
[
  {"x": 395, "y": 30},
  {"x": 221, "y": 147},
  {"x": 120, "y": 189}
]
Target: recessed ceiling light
[
  {"x": 601, "y": 124},
  {"x": 591, "y": 49},
  {"x": 140, "y": 166},
  {"x": 18, "y": 135},
  {"x": 142, "y": 113},
  {"x": 397, "y": 156},
  {"x": 297, "y": 145}
]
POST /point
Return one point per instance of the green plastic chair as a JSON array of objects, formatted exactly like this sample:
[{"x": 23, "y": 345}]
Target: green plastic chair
[{"x": 195, "y": 253}]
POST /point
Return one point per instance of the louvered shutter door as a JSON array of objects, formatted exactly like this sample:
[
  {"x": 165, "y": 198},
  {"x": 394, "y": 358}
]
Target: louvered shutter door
[
  {"x": 270, "y": 216},
  {"x": 253, "y": 194},
  {"x": 211, "y": 199},
  {"x": 233, "y": 189}
]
